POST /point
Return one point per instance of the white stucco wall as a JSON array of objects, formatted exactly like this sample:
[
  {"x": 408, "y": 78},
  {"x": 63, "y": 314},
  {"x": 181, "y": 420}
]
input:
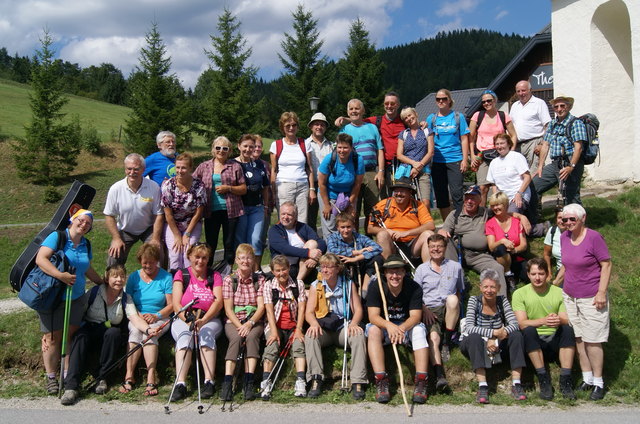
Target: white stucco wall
[{"x": 596, "y": 60}]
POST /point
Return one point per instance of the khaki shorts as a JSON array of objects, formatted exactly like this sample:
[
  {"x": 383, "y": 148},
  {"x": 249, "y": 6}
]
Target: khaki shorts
[
  {"x": 424, "y": 186},
  {"x": 589, "y": 323},
  {"x": 482, "y": 172}
]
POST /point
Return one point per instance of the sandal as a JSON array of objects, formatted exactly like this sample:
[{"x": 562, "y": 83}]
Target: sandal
[
  {"x": 126, "y": 386},
  {"x": 151, "y": 390}
]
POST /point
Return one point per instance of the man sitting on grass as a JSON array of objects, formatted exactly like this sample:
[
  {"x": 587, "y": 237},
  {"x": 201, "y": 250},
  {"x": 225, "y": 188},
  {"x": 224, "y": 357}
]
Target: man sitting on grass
[
  {"x": 404, "y": 305},
  {"x": 543, "y": 319}
]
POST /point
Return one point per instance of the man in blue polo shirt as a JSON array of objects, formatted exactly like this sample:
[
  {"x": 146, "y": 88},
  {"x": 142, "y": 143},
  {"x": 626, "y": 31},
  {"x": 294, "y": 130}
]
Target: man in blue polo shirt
[
  {"x": 161, "y": 165},
  {"x": 566, "y": 153}
]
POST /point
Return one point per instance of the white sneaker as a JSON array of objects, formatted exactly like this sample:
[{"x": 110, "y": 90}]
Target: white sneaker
[
  {"x": 265, "y": 389},
  {"x": 301, "y": 388}
]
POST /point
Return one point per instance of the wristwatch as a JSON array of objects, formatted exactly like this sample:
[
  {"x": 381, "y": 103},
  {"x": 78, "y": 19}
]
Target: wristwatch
[
  {"x": 573, "y": 165},
  {"x": 253, "y": 323},
  {"x": 187, "y": 233}
]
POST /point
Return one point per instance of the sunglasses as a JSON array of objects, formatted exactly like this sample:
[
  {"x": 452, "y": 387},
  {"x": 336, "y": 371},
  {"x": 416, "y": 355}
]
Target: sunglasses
[
  {"x": 223, "y": 148},
  {"x": 442, "y": 99},
  {"x": 484, "y": 102},
  {"x": 560, "y": 106},
  {"x": 570, "y": 219}
]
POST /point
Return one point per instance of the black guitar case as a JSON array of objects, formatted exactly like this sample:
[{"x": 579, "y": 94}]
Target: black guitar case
[{"x": 79, "y": 196}]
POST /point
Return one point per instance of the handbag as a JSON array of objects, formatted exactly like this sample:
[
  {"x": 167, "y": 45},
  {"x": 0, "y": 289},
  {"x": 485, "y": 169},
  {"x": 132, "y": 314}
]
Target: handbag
[{"x": 490, "y": 154}]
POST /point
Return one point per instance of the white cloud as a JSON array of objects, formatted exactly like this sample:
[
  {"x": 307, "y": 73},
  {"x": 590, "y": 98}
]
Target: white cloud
[
  {"x": 455, "y": 8},
  {"x": 501, "y": 14},
  {"x": 449, "y": 26}
]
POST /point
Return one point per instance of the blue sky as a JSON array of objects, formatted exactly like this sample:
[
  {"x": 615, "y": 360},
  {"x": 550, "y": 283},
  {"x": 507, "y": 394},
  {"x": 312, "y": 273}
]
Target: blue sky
[{"x": 97, "y": 31}]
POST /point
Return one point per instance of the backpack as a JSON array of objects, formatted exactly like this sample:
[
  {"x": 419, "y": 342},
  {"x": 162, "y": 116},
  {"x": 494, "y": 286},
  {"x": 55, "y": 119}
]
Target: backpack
[
  {"x": 590, "y": 146},
  {"x": 93, "y": 293},
  {"x": 280, "y": 147},
  {"x": 42, "y": 292},
  {"x": 501, "y": 114},
  {"x": 434, "y": 117},
  {"x": 186, "y": 279},
  {"x": 275, "y": 294},
  {"x": 334, "y": 159}
]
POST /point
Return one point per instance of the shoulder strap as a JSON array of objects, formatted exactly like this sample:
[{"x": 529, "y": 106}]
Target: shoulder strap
[
  {"x": 186, "y": 279},
  {"x": 332, "y": 161},
  {"x": 279, "y": 148},
  {"x": 235, "y": 282},
  {"x": 93, "y": 293},
  {"x": 456, "y": 116},
  {"x": 554, "y": 228},
  {"x": 481, "y": 117},
  {"x": 503, "y": 119},
  {"x": 303, "y": 147},
  {"x": 378, "y": 122},
  {"x": 62, "y": 239},
  {"x": 568, "y": 128},
  {"x": 385, "y": 214},
  {"x": 124, "y": 302},
  {"x": 354, "y": 158}
]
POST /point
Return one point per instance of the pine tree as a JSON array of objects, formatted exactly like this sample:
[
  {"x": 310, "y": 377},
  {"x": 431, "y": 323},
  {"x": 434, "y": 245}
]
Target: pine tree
[
  {"x": 50, "y": 150},
  {"x": 156, "y": 98},
  {"x": 306, "y": 72},
  {"x": 361, "y": 71},
  {"x": 226, "y": 88}
]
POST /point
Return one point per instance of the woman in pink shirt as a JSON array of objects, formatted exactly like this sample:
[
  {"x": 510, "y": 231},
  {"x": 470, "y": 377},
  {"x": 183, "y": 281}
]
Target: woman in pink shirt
[
  {"x": 484, "y": 125},
  {"x": 205, "y": 285}
]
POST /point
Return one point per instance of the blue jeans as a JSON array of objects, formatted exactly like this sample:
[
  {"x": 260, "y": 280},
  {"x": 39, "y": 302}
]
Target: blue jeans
[{"x": 249, "y": 227}]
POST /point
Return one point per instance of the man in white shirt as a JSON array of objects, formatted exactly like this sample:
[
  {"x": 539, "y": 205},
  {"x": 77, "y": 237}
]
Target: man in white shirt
[
  {"x": 132, "y": 211},
  {"x": 530, "y": 116}
]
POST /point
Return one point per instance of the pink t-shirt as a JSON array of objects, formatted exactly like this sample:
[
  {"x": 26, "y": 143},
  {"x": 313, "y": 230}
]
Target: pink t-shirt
[
  {"x": 582, "y": 263},
  {"x": 487, "y": 130},
  {"x": 198, "y": 288},
  {"x": 492, "y": 227}
]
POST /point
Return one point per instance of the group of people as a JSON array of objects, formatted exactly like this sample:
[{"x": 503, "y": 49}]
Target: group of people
[{"x": 327, "y": 288}]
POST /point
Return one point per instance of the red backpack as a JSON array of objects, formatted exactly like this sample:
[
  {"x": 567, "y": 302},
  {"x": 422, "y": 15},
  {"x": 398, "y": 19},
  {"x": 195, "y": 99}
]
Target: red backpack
[{"x": 280, "y": 146}]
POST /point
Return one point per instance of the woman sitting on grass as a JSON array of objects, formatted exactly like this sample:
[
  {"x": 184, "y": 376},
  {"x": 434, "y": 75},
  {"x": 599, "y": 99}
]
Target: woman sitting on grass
[
  {"x": 151, "y": 288},
  {"x": 103, "y": 330}
]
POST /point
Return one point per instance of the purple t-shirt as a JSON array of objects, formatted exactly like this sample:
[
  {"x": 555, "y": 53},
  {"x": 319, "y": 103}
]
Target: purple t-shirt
[{"x": 582, "y": 263}]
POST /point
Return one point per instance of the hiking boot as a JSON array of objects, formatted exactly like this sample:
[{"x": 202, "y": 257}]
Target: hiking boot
[
  {"x": 442, "y": 384},
  {"x": 179, "y": 392},
  {"x": 482, "y": 395},
  {"x": 102, "y": 387},
  {"x": 546, "y": 389},
  {"x": 52, "y": 385},
  {"x": 69, "y": 397},
  {"x": 597, "y": 393},
  {"x": 208, "y": 390},
  {"x": 518, "y": 392},
  {"x": 585, "y": 387},
  {"x": 225, "y": 391},
  {"x": 358, "y": 391},
  {"x": 420, "y": 391},
  {"x": 382, "y": 389},
  {"x": 316, "y": 386},
  {"x": 300, "y": 388},
  {"x": 566, "y": 387},
  {"x": 445, "y": 353},
  {"x": 249, "y": 390}
]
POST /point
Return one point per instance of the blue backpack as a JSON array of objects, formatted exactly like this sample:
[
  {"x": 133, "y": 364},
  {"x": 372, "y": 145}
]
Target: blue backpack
[{"x": 40, "y": 291}]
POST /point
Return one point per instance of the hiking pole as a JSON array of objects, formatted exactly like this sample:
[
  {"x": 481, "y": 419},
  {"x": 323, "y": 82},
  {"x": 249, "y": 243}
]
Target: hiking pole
[
  {"x": 65, "y": 332},
  {"x": 346, "y": 298},
  {"x": 141, "y": 344},
  {"x": 190, "y": 318},
  {"x": 271, "y": 382},
  {"x": 393, "y": 345},
  {"x": 196, "y": 352},
  {"x": 378, "y": 217},
  {"x": 236, "y": 372}
]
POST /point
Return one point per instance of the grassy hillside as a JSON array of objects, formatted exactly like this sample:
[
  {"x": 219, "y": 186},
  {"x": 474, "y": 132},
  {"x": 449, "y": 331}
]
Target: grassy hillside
[{"x": 15, "y": 112}]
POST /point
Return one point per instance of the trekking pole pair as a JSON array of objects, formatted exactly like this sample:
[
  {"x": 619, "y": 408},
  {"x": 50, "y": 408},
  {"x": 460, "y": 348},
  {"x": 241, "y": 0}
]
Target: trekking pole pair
[
  {"x": 346, "y": 302},
  {"x": 195, "y": 334},
  {"x": 271, "y": 380},
  {"x": 65, "y": 332},
  {"x": 141, "y": 344},
  {"x": 236, "y": 373},
  {"x": 377, "y": 215}
]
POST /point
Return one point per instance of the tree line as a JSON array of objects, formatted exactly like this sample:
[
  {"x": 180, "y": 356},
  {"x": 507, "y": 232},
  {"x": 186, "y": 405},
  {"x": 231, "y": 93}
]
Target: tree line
[{"x": 228, "y": 98}]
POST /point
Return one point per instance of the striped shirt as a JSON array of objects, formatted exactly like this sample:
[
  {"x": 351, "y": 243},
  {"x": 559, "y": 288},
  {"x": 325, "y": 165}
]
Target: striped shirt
[
  {"x": 366, "y": 143},
  {"x": 477, "y": 322}
]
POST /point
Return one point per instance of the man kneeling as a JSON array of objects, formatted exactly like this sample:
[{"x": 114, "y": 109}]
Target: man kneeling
[
  {"x": 543, "y": 319},
  {"x": 404, "y": 305},
  {"x": 332, "y": 301}
]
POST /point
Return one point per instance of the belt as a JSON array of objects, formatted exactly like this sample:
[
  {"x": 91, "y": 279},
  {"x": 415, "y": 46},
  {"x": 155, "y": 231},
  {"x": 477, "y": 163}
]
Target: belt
[
  {"x": 370, "y": 168},
  {"x": 527, "y": 139}
]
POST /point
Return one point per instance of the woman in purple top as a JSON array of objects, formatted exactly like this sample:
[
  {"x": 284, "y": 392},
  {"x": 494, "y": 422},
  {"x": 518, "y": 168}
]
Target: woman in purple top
[
  {"x": 183, "y": 199},
  {"x": 586, "y": 265},
  {"x": 225, "y": 185}
]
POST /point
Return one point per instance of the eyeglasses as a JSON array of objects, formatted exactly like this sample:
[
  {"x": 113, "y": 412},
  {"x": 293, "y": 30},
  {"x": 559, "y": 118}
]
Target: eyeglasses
[
  {"x": 327, "y": 266},
  {"x": 570, "y": 219},
  {"x": 484, "y": 102},
  {"x": 560, "y": 106},
  {"x": 391, "y": 104},
  {"x": 442, "y": 99},
  {"x": 223, "y": 148},
  {"x": 291, "y": 126}
]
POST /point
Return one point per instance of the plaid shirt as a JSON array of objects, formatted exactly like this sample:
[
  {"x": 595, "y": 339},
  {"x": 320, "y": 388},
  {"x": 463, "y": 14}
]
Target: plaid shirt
[
  {"x": 337, "y": 245},
  {"x": 287, "y": 294},
  {"x": 244, "y": 295},
  {"x": 231, "y": 175},
  {"x": 556, "y": 136}
]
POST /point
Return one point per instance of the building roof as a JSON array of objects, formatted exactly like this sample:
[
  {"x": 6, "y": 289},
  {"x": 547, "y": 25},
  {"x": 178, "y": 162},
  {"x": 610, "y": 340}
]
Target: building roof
[{"x": 462, "y": 100}]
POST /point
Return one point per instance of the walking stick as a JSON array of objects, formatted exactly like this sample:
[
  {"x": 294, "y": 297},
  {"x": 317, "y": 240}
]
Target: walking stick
[
  {"x": 196, "y": 352},
  {"x": 395, "y": 349},
  {"x": 346, "y": 301},
  {"x": 277, "y": 367},
  {"x": 378, "y": 218},
  {"x": 141, "y": 344},
  {"x": 65, "y": 332}
]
